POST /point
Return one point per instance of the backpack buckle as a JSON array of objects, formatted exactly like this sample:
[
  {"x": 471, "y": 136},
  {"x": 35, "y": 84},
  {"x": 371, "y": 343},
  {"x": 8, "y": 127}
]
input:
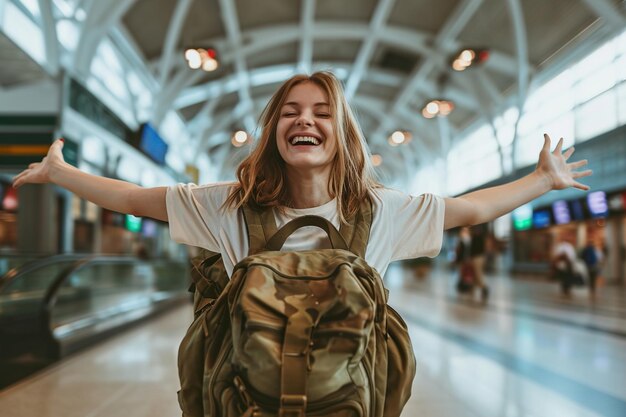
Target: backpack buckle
[{"x": 292, "y": 405}]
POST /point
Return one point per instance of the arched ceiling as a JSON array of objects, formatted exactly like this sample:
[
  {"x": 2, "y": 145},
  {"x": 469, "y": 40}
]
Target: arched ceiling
[{"x": 392, "y": 56}]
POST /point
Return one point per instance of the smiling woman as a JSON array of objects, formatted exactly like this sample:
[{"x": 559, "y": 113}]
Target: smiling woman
[
  {"x": 310, "y": 168},
  {"x": 300, "y": 162}
]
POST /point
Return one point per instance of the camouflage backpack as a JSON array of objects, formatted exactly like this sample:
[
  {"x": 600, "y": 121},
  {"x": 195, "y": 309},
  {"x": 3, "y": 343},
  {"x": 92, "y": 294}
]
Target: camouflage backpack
[{"x": 300, "y": 333}]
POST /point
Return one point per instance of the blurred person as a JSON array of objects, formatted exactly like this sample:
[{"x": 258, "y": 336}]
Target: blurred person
[
  {"x": 477, "y": 255},
  {"x": 311, "y": 159},
  {"x": 563, "y": 263},
  {"x": 467, "y": 274},
  {"x": 593, "y": 257}
]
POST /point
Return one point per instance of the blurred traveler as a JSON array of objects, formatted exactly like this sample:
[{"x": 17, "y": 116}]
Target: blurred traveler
[
  {"x": 477, "y": 255},
  {"x": 467, "y": 274},
  {"x": 563, "y": 261},
  {"x": 593, "y": 257}
]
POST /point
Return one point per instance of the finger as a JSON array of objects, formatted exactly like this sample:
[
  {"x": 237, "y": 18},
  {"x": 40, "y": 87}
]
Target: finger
[
  {"x": 33, "y": 165},
  {"x": 577, "y": 164},
  {"x": 559, "y": 147},
  {"x": 581, "y": 174},
  {"x": 18, "y": 177},
  {"x": 59, "y": 143},
  {"x": 568, "y": 153},
  {"x": 21, "y": 174},
  {"x": 546, "y": 142},
  {"x": 581, "y": 186}
]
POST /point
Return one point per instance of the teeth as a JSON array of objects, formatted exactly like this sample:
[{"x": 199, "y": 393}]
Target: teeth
[{"x": 304, "y": 139}]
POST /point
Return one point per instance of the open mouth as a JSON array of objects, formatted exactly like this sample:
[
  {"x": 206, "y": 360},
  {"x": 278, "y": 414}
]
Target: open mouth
[{"x": 304, "y": 141}]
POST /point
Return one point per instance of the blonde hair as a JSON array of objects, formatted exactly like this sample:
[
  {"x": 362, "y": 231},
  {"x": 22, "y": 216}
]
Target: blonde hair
[{"x": 262, "y": 176}]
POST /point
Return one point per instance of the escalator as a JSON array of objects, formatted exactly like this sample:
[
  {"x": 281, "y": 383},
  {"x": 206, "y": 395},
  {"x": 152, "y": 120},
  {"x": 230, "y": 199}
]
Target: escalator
[{"x": 53, "y": 306}]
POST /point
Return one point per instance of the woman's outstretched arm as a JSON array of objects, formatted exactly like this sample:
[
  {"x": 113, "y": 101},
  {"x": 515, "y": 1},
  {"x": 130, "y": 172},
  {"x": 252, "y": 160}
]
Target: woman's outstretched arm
[
  {"x": 553, "y": 172},
  {"x": 116, "y": 195}
]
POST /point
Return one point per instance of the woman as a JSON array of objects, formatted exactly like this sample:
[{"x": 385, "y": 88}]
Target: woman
[{"x": 311, "y": 158}]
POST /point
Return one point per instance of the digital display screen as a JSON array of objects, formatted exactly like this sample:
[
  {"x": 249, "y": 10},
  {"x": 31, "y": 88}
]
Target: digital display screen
[
  {"x": 561, "y": 212},
  {"x": 149, "y": 228},
  {"x": 523, "y": 217},
  {"x": 617, "y": 202},
  {"x": 132, "y": 223},
  {"x": 576, "y": 210},
  {"x": 541, "y": 219},
  {"x": 152, "y": 144},
  {"x": 597, "y": 204}
]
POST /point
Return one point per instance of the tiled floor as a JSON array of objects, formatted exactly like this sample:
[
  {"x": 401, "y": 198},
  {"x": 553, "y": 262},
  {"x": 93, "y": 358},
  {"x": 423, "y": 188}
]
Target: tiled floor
[{"x": 528, "y": 352}]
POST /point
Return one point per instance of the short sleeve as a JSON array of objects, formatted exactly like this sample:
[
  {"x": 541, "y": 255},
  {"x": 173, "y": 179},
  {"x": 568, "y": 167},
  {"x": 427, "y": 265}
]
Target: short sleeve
[
  {"x": 414, "y": 223},
  {"x": 194, "y": 214}
]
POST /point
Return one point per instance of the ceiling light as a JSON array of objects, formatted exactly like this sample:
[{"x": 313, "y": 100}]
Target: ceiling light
[
  {"x": 397, "y": 137},
  {"x": 437, "y": 108},
  {"x": 239, "y": 138},
  {"x": 459, "y": 65},
  {"x": 376, "y": 160},
  {"x": 467, "y": 57},
  {"x": 202, "y": 58},
  {"x": 209, "y": 65},
  {"x": 194, "y": 60}
]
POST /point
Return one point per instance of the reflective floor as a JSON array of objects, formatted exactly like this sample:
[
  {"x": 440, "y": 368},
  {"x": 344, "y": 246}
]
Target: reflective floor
[{"x": 527, "y": 352}]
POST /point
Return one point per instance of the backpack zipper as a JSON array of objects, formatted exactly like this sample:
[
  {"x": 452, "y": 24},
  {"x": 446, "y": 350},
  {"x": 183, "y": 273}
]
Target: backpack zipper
[{"x": 211, "y": 385}]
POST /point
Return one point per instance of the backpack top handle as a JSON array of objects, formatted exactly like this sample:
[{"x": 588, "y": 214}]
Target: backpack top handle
[{"x": 276, "y": 242}]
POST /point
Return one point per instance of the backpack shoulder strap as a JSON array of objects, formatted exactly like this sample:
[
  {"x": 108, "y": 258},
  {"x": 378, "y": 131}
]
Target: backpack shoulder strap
[
  {"x": 260, "y": 225},
  {"x": 357, "y": 232}
]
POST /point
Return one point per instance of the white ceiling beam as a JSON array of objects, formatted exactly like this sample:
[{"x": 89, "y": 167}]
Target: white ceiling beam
[
  {"x": 264, "y": 38},
  {"x": 171, "y": 38},
  {"x": 231, "y": 23},
  {"x": 305, "y": 54},
  {"x": 51, "y": 40},
  {"x": 523, "y": 76},
  {"x": 127, "y": 46},
  {"x": 279, "y": 73},
  {"x": 275, "y": 36},
  {"x": 101, "y": 17},
  {"x": 224, "y": 120},
  {"x": 608, "y": 11},
  {"x": 451, "y": 28},
  {"x": 381, "y": 14}
]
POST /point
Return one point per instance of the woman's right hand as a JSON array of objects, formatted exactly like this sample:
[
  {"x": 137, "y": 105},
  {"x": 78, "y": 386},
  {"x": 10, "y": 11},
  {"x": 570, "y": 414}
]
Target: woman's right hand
[{"x": 40, "y": 172}]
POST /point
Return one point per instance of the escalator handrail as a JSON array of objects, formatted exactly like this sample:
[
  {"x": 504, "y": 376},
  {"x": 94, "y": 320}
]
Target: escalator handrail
[
  {"x": 14, "y": 273},
  {"x": 50, "y": 298}
]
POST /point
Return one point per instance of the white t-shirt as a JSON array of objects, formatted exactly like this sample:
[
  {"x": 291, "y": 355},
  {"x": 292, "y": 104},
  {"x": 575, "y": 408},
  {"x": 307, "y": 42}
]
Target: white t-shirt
[{"x": 403, "y": 226}]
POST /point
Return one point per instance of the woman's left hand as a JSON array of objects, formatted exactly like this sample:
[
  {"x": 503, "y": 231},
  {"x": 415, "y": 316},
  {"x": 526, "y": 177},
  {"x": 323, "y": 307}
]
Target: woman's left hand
[{"x": 554, "y": 166}]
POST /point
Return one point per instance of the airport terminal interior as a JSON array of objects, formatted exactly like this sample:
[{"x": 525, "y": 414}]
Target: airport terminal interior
[{"x": 452, "y": 96}]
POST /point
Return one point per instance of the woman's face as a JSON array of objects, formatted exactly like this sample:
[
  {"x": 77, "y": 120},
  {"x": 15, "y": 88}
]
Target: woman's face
[{"x": 304, "y": 133}]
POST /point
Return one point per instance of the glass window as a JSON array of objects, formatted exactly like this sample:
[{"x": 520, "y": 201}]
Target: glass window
[
  {"x": 555, "y": 87},
  {"x": 562, "y": 126},
  {"x": 32, "y": 6},
  {"x": 68, "y": 34},
  {"x": 621, "y": 103},
  {"x": 620, "y": 67},
  {"x": 486, "y": 168},
  {"x": 528, "y": 147},
  {"x": 596, "y": 116},
  {"x": 598, "y": 82},
  {"x": 620, "y": 43},
  {"x": 596, "y": 60},
  {"x": 24, "y": 32}
]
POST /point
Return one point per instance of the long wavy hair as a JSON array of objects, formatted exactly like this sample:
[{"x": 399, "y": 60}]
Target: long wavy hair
[{"x": 262, "y": 175}]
